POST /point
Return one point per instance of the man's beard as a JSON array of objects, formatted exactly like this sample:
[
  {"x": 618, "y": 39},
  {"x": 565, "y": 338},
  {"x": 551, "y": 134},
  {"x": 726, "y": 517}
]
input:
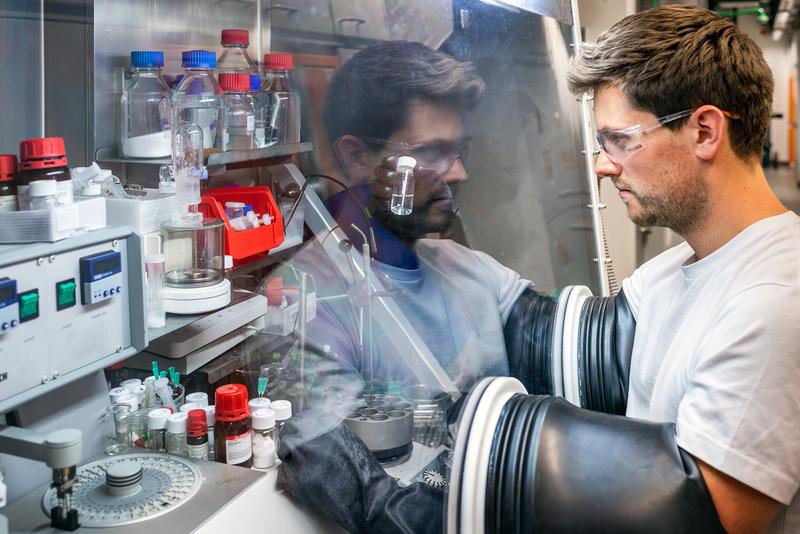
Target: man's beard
[
  {"x": 683, "y": 211},
  {"x": 425, "y": 219}
]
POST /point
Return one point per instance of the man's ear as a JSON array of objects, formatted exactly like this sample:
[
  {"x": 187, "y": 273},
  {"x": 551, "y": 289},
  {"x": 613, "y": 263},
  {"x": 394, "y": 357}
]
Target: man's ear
[
  {"x": 711, "y": 132},
  {"x": 351, "y": 153}
]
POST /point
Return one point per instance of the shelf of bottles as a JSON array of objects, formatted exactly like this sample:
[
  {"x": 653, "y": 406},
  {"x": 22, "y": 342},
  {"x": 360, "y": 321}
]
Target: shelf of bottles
[{"x": 215, "y": 157}]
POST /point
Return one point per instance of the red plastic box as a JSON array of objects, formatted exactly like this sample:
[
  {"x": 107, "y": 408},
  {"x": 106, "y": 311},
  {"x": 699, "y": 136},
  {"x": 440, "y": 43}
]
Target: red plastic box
[{"x": 241, "y": 244}]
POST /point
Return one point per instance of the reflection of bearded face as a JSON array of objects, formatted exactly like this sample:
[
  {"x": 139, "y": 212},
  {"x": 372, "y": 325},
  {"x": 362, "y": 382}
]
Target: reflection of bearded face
[{"x": 434, "y": 210}]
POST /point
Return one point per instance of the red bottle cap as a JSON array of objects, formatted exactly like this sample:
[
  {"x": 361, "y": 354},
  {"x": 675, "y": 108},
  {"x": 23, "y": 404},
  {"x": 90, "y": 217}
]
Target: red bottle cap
[
  {"x": 42, "y": 153},
  {"x": 196, "y": 425},
  {"x": 275, "y": 291},
  {"x": 234, "y": 81},
  {"x": 8, "y": 166},
  {"x": 235, "y": 37},
  {"x": 231, "y": 402},
  {"x": 277, "y": 61}
]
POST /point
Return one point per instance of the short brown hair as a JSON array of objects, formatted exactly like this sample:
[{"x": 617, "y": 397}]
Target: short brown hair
[{"x": 678, "y": 57}]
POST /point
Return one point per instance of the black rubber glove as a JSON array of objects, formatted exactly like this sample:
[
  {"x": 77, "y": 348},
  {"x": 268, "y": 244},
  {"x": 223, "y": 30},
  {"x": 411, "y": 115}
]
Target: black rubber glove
[{"x": 333, "y": 473}]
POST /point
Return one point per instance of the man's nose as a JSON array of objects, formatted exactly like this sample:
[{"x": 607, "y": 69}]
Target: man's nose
[
  {"x": 457, "y": 173},
  {"x": 603, "y": 166}
]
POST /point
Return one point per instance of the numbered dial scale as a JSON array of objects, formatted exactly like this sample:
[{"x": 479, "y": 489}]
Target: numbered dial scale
[{"x": 129, "y": 488}]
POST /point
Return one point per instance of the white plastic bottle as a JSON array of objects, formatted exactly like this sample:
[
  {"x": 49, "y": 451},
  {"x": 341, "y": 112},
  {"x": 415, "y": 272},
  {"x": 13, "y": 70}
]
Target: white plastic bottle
[
  {"x": 198, "y": 98},
  {"x": 145, "y": 108},
  {"x": 43, "y": 194},
  {"x": 279, "y": 101},
  {"x": 176, "y": 433}
]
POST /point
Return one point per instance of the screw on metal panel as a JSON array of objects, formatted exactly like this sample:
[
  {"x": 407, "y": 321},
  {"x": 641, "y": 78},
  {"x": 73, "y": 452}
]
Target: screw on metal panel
[
  {"x": 56, "y": 375},
  {"x": 119, "y": 348},
  {"x": 45, "y": 379},
  {"x": 39, "y": 261},
  {"x": 52, "y": 258},
  {"x": 114, "y": 243}
]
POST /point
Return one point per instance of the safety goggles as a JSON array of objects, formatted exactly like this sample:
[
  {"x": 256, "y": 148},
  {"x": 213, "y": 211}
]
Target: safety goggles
[
  {"x": 619, "y": 144},
  {"x": 438, "y": 156}
]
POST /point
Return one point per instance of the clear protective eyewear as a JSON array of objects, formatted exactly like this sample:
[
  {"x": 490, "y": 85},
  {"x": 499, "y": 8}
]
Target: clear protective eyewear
[
  {"x": 437, "y": 156},
  {"x": 619, "y": 144}
]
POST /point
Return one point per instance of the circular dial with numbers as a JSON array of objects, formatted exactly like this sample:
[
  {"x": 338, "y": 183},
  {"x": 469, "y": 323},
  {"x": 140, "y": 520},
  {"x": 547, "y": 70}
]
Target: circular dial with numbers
[{"x": 166, "y": 482}]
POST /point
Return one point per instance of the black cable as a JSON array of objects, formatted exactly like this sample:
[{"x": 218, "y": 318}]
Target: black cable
[{"x": 364, "y": 212}]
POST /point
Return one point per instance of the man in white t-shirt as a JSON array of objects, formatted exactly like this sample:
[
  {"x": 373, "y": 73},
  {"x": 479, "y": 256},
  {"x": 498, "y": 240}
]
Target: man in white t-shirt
[{"x": 682, "y": 101}]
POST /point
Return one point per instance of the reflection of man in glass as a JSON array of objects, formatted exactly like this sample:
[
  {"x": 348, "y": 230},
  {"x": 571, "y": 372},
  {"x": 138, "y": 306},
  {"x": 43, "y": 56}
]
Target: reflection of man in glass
[{"x": 405, "y": 99}]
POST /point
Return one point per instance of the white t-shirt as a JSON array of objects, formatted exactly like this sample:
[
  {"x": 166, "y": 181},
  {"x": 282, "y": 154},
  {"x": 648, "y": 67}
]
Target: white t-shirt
[{"x": 717, "y": 351}]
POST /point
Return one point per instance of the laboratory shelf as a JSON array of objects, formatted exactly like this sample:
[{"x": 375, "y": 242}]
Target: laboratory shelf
[{"x": 215, "y": 158}]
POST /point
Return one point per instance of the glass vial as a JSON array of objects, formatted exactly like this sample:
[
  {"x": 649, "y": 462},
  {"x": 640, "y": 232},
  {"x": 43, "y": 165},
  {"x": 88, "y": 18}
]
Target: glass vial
[
  {"x": 403, "y": 189},
  {"x": 264, "y": 436},
  {"x": 157, "y": 429},
  {"x": 211, "y": 421},
  {"x": 283, "y": 412},
  {"x": 176, "y": 433},
  {"x": 197, "y": 435}
]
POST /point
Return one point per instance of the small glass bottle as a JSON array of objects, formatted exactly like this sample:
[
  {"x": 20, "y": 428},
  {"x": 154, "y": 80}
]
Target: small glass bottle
[
  {"x": 138, "y": 425},
  {"x": 211, "y": 421},
  {"x": 42, "y": 195},
  {"x": 240, "y": 118},
  {"x": 176, "y": 433},
  {"x": 157, "y": 429},
  {"x": 43, "y": 159},
  {"x": 232, "y": 434},
  {"x": 197, "y": 100},
  {"x": 8, "y": 188},
  {"x": 197, "y": 435},
  {"x": 403, "y": 189},
  {"x": 283, "y": 412},
  {"x": 120, "y": 433},
  {"x": 264, "y": 438}
]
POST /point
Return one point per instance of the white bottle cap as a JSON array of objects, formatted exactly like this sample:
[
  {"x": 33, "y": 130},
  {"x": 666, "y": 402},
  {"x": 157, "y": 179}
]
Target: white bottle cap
[
  {"x": 43, "y": 188},
  {"x": 139, "y": 391},
  {"x": 116, "y": 393},
  {"x": 266, "y": 219},
  {"x": 189, "y": 406},
  {"x": 92, "y": 189},
  {"x": 176, "y": 423},
  {"x": 211, "y": 415},
  {"x": 131, "y": 384},
  {"x": 406, "y": 163},
  {"x": 198, "y": 397},
  {"x": 130, "y": 400},
  {"x": 262, "y": 419},
  {"x": 157, "y": 418},
  {"x": 259, "y": 403},
  {"x": 282, "y": 409}
]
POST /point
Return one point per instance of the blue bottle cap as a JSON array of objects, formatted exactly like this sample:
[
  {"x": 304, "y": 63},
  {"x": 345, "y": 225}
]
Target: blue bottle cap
[
  {"x": 147, "y": 58},
  {"x": 255, "y": 82},
  {"x": 194, "y": 59},
  {"x": 248, "y": 208}
]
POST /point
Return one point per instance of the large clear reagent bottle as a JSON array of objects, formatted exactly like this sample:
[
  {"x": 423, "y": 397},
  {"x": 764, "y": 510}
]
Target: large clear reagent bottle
[
  {"x": 280, "y": 101},
  {"x": 198, "y": 98},
  {"x": 145, "y": 108}
]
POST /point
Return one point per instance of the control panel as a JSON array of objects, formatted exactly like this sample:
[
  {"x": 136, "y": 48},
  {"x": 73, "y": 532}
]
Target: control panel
[
  {"x": 9, "y": 307},
  {"x": 67, "y": 308},
  {"x": 101, "y": 276}
]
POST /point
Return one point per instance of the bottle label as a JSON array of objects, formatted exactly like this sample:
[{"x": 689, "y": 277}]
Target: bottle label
[
  {"x": 239, "y": 448},
  {"x": 8, "y": 203},
  {"x": 63, "y": 195},
  {"x": 198, "y": 452}
]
